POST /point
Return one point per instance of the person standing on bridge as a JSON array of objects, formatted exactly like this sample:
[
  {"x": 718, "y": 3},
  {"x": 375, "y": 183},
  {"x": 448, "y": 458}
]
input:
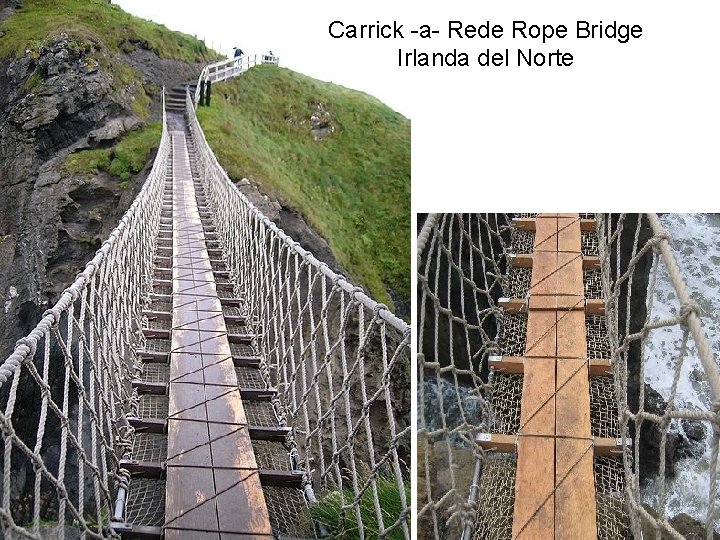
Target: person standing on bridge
[{"x": 238, "y": 56}]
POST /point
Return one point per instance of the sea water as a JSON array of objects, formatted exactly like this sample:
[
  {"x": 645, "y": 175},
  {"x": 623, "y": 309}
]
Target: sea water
[{"x": 695, "y": 241}]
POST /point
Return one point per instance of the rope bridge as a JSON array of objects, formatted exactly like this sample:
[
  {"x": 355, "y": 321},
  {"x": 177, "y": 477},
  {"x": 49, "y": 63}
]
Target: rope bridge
[
  {"x": 535, "y": 420},
  {"x": 303, "y": 379}
]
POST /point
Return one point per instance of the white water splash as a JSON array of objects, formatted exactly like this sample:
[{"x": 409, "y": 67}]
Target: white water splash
[{"x": 696, "y": 245}]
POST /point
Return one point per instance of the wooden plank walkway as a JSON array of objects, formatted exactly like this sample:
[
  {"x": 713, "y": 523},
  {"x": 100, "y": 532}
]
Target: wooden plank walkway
[
  {"x": 213, "y": 484},
  {"x": 554, "y": 488}
]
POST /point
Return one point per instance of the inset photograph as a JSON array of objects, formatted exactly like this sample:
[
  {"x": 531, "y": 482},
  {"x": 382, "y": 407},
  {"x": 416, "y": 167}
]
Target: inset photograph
[{"x": 568, "y": 375}]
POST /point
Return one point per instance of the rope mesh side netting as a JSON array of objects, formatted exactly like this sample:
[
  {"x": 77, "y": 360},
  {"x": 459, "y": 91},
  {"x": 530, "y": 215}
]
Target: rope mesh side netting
[
  {"x": 340, "y": 362},
  {"x": 464, "y": 268},
  {"x": 63, "y": 391}
]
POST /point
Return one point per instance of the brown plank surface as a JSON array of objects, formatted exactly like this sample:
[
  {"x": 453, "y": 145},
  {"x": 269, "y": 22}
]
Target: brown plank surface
[
  {"x": 575, "y": 508},
  {"x": 545, "y": 233},
  {"x": 569, "y": 233},
  {"x": 543, "y": 279},
  {"x": 496, "y": 442},
  {"x": 522, "y": 260},
  {"x": 213, "y": 486},
  {"x": 506, "y": 364},
  {"x": 537, "y": 415},
  {"x": 554, "y": 488},
  {"x": 541, "y": 329},
  {"x": 571, "y": 341},
  {"x": 572, "y": 400},
  {"x": 555, "y": 302},
  {"x": 534, "y": 512},
  {"x": 569, "y": 276}
]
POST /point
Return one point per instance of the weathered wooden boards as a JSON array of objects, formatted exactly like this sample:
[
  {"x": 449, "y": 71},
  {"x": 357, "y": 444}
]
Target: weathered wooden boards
[
  {"x": 213, "y": 485},
  {"x": 554, "y": 486}
]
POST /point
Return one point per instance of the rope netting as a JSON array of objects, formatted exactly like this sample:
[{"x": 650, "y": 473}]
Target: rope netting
[
  {"x": 64, "y": 391},
  {"x": 464, "y": 268},
  {"x": 635, "y": 254},
  {"x": 340, "y": 362}
]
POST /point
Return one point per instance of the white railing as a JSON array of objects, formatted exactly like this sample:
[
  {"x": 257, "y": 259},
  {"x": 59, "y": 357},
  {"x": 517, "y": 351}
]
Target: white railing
[{"x": 227, "y": 69}]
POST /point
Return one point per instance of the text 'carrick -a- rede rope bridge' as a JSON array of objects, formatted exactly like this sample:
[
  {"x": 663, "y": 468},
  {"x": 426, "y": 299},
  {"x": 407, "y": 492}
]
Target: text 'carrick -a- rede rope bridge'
[
  {"x": 534, "y": 417},
  {"x": 206, "y": 377}
]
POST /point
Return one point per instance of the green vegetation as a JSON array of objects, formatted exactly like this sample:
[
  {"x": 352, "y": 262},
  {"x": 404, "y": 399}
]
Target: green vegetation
[
  {"x": 328, "y": 511},
  {"x": 33, "y": 82},
  {"x": 99, "y": 21},
  {"x": 126, "y": 158},
  {"x": 353, "y": 186}
]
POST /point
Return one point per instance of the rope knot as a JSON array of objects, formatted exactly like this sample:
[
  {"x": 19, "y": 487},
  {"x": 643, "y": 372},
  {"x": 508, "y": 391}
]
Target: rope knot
[
  {"x": 55, "y": 313},
  {"x": 691, "y": 306},
  {"x": 29, "y": 343}
]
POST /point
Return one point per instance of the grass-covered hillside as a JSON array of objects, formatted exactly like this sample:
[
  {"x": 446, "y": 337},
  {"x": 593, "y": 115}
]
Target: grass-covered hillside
[
  {"x": 100, "y": 21},
  {"x": 353, "y": 186}
]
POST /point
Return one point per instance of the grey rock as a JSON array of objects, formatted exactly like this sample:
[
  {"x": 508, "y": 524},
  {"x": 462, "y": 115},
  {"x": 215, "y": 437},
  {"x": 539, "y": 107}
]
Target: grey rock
[{"x": 109, "y": 131}]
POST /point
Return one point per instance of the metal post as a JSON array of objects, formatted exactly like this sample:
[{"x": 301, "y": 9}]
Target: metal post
[{"x": 207, "y": 93}]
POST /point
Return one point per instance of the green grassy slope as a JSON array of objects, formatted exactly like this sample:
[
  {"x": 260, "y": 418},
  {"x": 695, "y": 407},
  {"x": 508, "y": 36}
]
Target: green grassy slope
[
  {"x": 122, "y": 160},
  {"x": 353, "y": 187},
  {"x": 97, "y": 20}
]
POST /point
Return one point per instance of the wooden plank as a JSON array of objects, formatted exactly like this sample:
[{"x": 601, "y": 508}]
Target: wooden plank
[
  {"x": 556, "y": 302},
  {"x": 525, "y": 224},
  {"x": 575, "y": 511},
  {"x": 513, "y": 305},
  {"x": 496, "y": 442},
  {"x": 541, "y": 338},
  {"x": 599, "y": 367},
  {"x": 521, "y": 260},
  {"x": 604, "y": 446},
  {"x": 572, "y": 400},
  {"x": 506, "y": 364},
  {"x": 595, "y": 306},
  {"x": 587, "y": 225},
  {"x": 534, "y": 512},
  {"x": 291, "y": 479},
  {"x": 213, "y": 484},
  {"x": 571, "y": 342},
  {"x": 543, "y": 280},
  {"x": 537, "y": 414},
  {"x": 590, "y": 262},
  {"x": 569, "y": 234},
  {"x": 545, "y": 234},
  {"x": 569, "y": 275}
]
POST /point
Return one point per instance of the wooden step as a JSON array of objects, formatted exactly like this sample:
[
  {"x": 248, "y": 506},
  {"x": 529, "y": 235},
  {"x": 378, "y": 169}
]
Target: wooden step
[
  {"x": 153, "y": 356},
  {"x": 153, "y": 314},
  {"x": 289, "y": 479},
  {"x": 264, "y": 433},
  {"x": 257, "y": 394},
  {"x": 159, "y": 333},
  {"x": 137, "y": 532},
  {"x": 246, "y": 361},
  {"x": 150, "y": 388},
  {"x": 145, "y": 469},
  {"x": 148, "y": 425}
]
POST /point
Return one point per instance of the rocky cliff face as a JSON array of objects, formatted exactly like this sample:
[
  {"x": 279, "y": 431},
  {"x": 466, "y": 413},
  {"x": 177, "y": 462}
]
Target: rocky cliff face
[{"x": 68, "y": 94}]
